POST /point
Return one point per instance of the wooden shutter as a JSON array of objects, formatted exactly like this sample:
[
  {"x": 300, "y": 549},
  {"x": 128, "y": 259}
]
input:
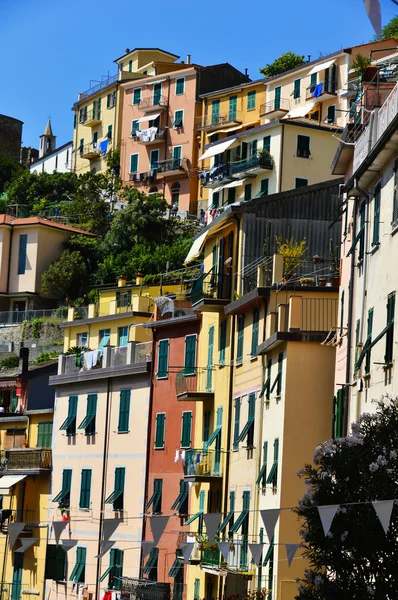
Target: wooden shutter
[
  {"x": 267, "y": 143},
  {"x": 85, "y": 489},
  {"x": 186, "y": 429},
  {"x": 239, "y": 352},
  {"x": 313, "y": 80},
  {"x": 23, "y": 242},
  {"x": 157, "y": 503},
  {"x": 376, "y": 215},
  {"x": 248, "y": 192},
  {"x": 160, "y": 428},
  {"x": 277, "y": 99},
  {"x": 190, "y": 354},
  {"x": 157, "y": 92},
  {"x": 280, "y": 367},
  {"x": 232, "y": 107},
  {"x": 133, "y": 163},
  {"x": 236, "y": 423},
  {"x": 395, "y": 197},
  {"x": 180, "y": 85},
  {"x": 124, "y": 410},
  {"x": 255, "y": 328},
  {"x": 206, "y": 426},
  {"x": 137, "y": 96},
  {"x": 163, "y": 360},
  {"x": 44, "y": 434},
  {"x": 390, "y": 332},
  {"x": 223, "y": 341},
  {"x": 177, "y": 153}
]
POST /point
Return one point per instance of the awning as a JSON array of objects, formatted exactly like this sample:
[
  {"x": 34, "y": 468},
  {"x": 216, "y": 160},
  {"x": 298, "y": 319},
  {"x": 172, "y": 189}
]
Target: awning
[
  {"x": 235, "y": 183},
  {"x": 155, "y": 81},
  {"x": 217, "y": 149},
  {"x": 322, "y": 66},
  {"x": 196, "y": 247},
  {"x": 150, "y": 117},
  {"x": 8, "y": 481},
  {"x": 300, "y": 111}
]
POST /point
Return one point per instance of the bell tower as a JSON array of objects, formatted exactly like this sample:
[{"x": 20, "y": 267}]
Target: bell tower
[{"x": 47, "y": 141}]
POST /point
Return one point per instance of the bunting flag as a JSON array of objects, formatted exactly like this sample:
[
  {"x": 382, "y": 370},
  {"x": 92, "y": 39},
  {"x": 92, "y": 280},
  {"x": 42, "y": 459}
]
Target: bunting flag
[
  {"x": 104, "y": 548},
  {"x": 26, "y": 543},
  {"x": 212, "y": 522},
  {"x": 146, "y": 548},
  {"x": 14, "y": 529},
  {"x": 224, "y": 549},
  {"x": 374, "y": 14},
  {"x": 327, "y": 514},
  {"x": 109, "y": 527},
  {"x": 256, "y": 550},
  {"x": 158, "y": 525},
  {"x": 270, "y": 518},
  {"x": 58, "y": 527},
  {"x": 383, "y": 510},
  {"x": 186, "y": 550},
  {"x": 291, "y": 550},
  {"x": 68, "y": 544}
]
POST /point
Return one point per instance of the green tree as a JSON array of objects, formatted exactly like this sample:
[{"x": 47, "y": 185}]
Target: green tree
[
  {"x": 9, "y": 170},
  {"x": 90, "y": 205},
  {"x": 390, "y": 30},
  {"x": 31, "y": 188},
  {"x": 66, "y": 278},
  {"x": 285, "y": 62},
  {"x": 356, "y": 560}
]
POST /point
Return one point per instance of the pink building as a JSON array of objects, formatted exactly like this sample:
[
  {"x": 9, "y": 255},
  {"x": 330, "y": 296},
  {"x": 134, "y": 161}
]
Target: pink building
[{"x": 159, "y": 121}]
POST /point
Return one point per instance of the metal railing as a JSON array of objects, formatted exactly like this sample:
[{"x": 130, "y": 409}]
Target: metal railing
[
  {"x": 328, "y": 87},
  {"x": 47, "y": 315},
  {"x": 100, "y": 86},
  {"x": 196, "y": 381},
  {"x": 238, "y": 554},
  {"x": 118, "y": 356},
  {"x": 216, "y": 175},
  {"x": 202, "y": 463},
  {"x": 262, "y": 161},
  {"x": 152, "y": 101},
  {"x": 215, "y": 120},
  {"x": 211, "y": 556},
  {"x": 282, "y": 104},
  {"x": 142, "y": 139},
  {"x": 172, "y": 164},
  {"x": 212, "y": 285},
  {"x": 28, "y": 458},
  {"x": 89, "y": 149},
  {"x": 13, "y": 591},
  {"x": 93, "y": 115}
]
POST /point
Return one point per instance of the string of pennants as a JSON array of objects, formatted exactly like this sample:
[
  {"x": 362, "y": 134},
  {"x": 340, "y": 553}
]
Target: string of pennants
[{"x": 158, "y": 523}]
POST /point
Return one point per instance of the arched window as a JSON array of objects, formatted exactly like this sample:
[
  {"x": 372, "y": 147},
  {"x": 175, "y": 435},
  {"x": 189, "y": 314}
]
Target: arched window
[
  {"x": 175, "y": 195},
  {"x": 153, "y": 190}
]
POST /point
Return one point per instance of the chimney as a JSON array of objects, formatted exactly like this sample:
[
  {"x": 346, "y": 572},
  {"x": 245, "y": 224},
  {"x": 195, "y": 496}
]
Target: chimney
[
  {"x": 188, "y": 59},
  {"x": 23, "y": 360},
  {"x": 246, "y": 73},
  {"x": 138, "y": 279},
  {"x": 121, "y": 281},
  {"x": 309, "y": 58}
]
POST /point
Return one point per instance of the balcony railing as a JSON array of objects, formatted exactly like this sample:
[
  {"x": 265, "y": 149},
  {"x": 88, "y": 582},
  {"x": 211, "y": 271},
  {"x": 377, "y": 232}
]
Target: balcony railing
[
  {"x": 118, "y": 356},
  {"x": 108, "y": 357},
  {"x": 317, "y": 90},
  {"x": 275, "y": 106},
  {"x": 99, "y": 87},
  {"x": 143, "y": 352},
  {"x": 165, "y": 166},
  {"x": 202, "y": 463},
  {"x": 195, "y": 382},
  {"x": 93, "y": 117},
  {"x": 147, "y": 137},
  {"x": 13, "y": 591},
  {"x": 28, "y": 459},
  {"x": 217, "y": 120},
  {"x": 47, "y": 316},
  {"x": 211, "y": 557},
  {"x": 153, "y": 102},
  {"x": 216, "y": 175},
  {"x": 263, "y": 161},
  {"x": 89, "y": 150},
  {"x": 212, "y": 286}
]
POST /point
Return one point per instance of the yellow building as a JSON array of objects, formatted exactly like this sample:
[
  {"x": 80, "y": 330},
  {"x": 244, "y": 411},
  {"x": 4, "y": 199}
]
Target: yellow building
[
  {"x": 26, "y": 460},
  {"x": 98, "y": 110}
]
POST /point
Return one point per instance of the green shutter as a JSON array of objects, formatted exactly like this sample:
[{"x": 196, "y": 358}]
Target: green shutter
[
  {"x": 115, "y": 569},
  {"x": 206, "y": 426},
  {"x": 137, "y": 96},
  {"x": 85, "y": 489},
  {"x": 338, "y": 414},
  {"x": 264, "y": 187},
  {"x": 280, "y": 367},
  {"x": 120, "y": 475},
  {"x": 232, "y": 108},
  {"x": 215, "y": 112},
  {"x": 342, "y": 313},
  {"x": 277, "y": 99},
  {"x": 123, "y": 336},
  {"x": 190, "y": 355},
  {"x": 55, "y": 563},
  {"x": 390, "y": 331},
  {"x": 163, "y": 359},
  {"x": 255, "y": 328},
  {"x": 262, "y": 476},
  {"x": 159, "y": 430},
  {"x": 273, "y": 474},
  {"x": 248, "y": 192},
  {"x": 157, "y": 502},
  {"x": 369, "y": 340},
  {"x": 133, "y": 163},
  {"x": 196, "y": 589},
  {"x": 130, "y": 66},
  {"x": 331, "y": 115},
  {"x": 186, "y": 429},
  {"x": 223, "y": 341},
  {"x": 178, "y": 119},
  {"x": 395, "y": 196},
  {"x": 23, "y": 243},
  {"x": 236, "y": 424},
  {"x": 109, "y": 132},
  {"x": 239, "y": 351},
  {"x": 267, "y": 143},
  {"x": 134, "y": 126},
  {"x": 69, "y": 425},
  {"x": 180, "y": 86},
  {"x": 209, "y": 382},
  {"x": 88, "y": 423},
  {"x": 157, "y": 93},
  {"x": 313, "y": 80},
  {"x": 124, "y": 411},
  {"x": 296, "y": 90},
  {"x": 177, "y": 153},
  {"x": 44, "y": 434},
  {"x": 376, "y": 216},
  {"x": 251, "y": 100},
  {"x": 78, "y": 573}
]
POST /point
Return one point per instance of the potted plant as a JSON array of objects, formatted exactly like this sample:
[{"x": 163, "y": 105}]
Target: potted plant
[
  {"x": 292, "y": 253},
  {"x": 322, "y": 281},
  {"x": 307, "y": 281}
]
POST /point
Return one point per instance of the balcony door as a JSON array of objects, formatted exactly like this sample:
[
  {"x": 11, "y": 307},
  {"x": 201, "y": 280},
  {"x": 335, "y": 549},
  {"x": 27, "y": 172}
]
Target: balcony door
[
  {"x": 17, "y": 576},
  {"x": 157, "y": 93}
]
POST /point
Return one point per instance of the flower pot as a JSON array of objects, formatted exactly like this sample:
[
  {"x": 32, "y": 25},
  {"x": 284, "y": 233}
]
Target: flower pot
[
  {"x": 322, "y": 281},
  {"x": 335, "y": 281},
  {"x": 213, "y": 547}
]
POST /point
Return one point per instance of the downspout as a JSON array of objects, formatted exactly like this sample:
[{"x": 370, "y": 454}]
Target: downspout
[
  {"x": 103, "y": 485},
  {"x": 281, "y": 159}
]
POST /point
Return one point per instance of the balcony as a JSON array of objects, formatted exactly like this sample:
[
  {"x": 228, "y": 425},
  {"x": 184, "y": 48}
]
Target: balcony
[
  {"x": 275, "y": 109},
  {"x": 90, "y": 151},
  {"x": 155, "y": 102},
  {"x": 202, "y": 465},
  {"x": 323, "y": 91},
  {"x": 216, "y": 176},
  {"x": 28, "y": 460},
  {"x": 196, "y": 386},
  {"x": 210, "y": 122},
  {"x": 170, "y": 168},
  {"x": 212, "y": 557},
  {"x": 93, "y": 118},
  {"x": 251, "y": 167},
  {"x": 147, "y": 137},
  {"x": 212, "y": 291}
]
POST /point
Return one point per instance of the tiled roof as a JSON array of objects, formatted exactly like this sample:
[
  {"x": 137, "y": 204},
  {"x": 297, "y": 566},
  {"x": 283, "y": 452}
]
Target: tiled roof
[{"x": 7, "y": 220}]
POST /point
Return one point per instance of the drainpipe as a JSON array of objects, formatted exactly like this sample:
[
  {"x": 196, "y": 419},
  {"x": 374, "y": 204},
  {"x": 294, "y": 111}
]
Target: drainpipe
[{"x": 281, "y": 159}]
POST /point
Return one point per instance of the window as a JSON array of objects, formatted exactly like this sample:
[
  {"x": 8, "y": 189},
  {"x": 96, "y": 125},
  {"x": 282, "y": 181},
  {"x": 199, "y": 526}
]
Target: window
[
  {"x": 156, "y": 499},
  {"x": 122, "y": 336},
  {"x": 368, "y": 340},
  {"x": 136, "y": 96},
  {"x": 190, "y": 354},
  {"x": 223, "y": 341},
  {"x": 69, "y": 425},
  {"x": 74, "y": 121},
  {"x": 231, "y": 195},
  {"x": 239, "y": 349},
  {"x": 395, "y": 197},
  {"x": 301, "y": 182},
  {"x": 277, "y": 98},
  {"x": 248, "y": 429},
  {"x": 175, "y": 195},
  {"x": 251, "y": 100},
  {"x": 331, "y": 115},
  {"x": 151, "y": 567},
  {"x": 273, "y": 474},
  {"x": 82, "y": 339},
  {"x": 180, "y": 86},
  {"x": 229, "y": 519},
  {"x": 376, "y": 215},
  {"x": 303, "y": 146},
  {"x": 95, "y": 138},
  {"x": 104, "y": 338},
  {"x": 248, "y": 192},
  {"x": 215, "y": 200},
  {"x": 342, "y": 313},
  {"x": 267, "y": 143},
  {"x": 63, "y": 497},
  {"x": 256, "y": 317},
  {"x": 196, "y": 589},
  {"x": 313, "y": 81},
  {"x": 264, "y": 185},
  {"x": 55, "y": 563},
  {"x": 210, "y": 350},
  {"x": 163, "y": 359},
  {"x": 109, "y": 135},
  {"x": 88, "y": 423},
  {"x": 79, "y": 571},
  {"x": 330, "y": 80},
  {"x": 134, "y": 127},
  {"x": 44, "y": 434},
  {"x": 81, "y": 146},
  {"x": 186, "y": 429},
  {"x": 133, "y": 163},
  {"x": 13, "y": 401},
  {"x": 177, "y": 150},
  {"x": 296, "y": 88},
  {"x": 243, "y": 517},
  {"x": 215, "y": 112},
  {"x": 360, "y": 235},
  {"x": 390, "y": 328},
  {"x": 159, "y": 430},
  {"x": 236, "y": 424},
  {"x": 181, "y": 504},
  {"x": 262, "y": 476},
  {"x": 157, "y": 93},
  {"x": 206, "y": 426},
  {"x": 117, "y": 496},
  {"x": 110, "y": 101},
  {"x": 115, "y": 570},
  {"x": 23, "y": 242},
  {"x": 178, "y": 119},
  {"x": 124, "y": 411},
  {"x": 130, "y": 66},
  {"x": 154, "y": 159},
  {"x": 278, "y": 380},
  {"x": 338, "y": 414},
  {"x": 232, "y": 108},
  {"x": 85, "y": 489}
]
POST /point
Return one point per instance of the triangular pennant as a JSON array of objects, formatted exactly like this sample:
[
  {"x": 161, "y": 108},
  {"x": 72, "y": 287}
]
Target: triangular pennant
[
  {"x": 327, "y": 514},
  {"x": 383, "y": 510},
  {"x": 256, "y": 550},
  {"x": 158, "y": 525},
  {"x": 291, "y": 550},
  {"x": 104, "y": 548},
  {"x": 186, "y": 550},
  {"x": 224, "y": 549},
  {"x": 14, "y": 529},
  {"x": 68, "y": 544},
  {"x": 270, "y": 518},
  {"x": 26, "y": 543},
  {"x": 212, "y": 522},
  {"x": 109, "y": 527},
  {"x": 374, "y": 14},
  {"x": 58, "y": 527},
  {"x": 146, "y": 548}
]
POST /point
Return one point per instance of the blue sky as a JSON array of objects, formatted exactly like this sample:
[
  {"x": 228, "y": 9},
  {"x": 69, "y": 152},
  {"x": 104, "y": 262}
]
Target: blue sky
[{"x": 50, "y": 50}]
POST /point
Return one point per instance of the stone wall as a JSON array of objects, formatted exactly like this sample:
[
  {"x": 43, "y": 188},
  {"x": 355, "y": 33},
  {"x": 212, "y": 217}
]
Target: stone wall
[
  {"x": 38, "y": 337},
  {"x": 10, "y": 137}
]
